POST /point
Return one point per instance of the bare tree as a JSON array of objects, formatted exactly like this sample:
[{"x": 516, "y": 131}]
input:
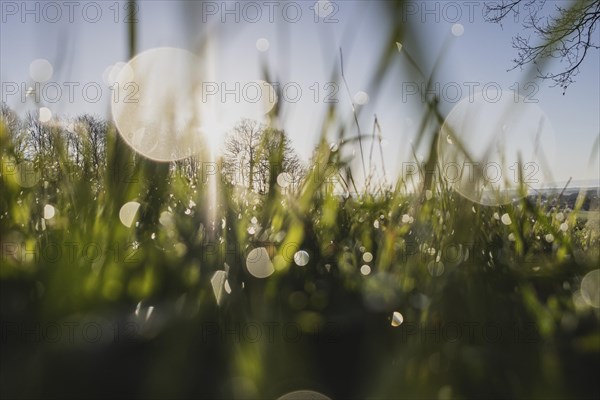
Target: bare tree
[
  {"x": 568, "y": 35},
  {"x": 15, "y": 131},
  {"x": 92, "y": 133},
  {"x": 254, "y": 155},
  {"x": 277, "y": 156},
  {"x": 44, "y": 145}
]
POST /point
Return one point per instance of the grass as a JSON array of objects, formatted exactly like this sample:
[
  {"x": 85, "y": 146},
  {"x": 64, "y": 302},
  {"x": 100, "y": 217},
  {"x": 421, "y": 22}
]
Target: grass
[
  {"x": 496, "y": 301},
  {"x": 489, "y": 309}
]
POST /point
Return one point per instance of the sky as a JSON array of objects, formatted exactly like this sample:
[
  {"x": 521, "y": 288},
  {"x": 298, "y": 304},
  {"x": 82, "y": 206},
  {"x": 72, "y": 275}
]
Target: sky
[{"x": 299, "y": 44}]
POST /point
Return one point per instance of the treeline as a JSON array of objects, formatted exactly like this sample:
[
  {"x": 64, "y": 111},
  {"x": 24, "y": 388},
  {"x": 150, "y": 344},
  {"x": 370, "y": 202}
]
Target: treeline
[{"x": 254, "y": 156}]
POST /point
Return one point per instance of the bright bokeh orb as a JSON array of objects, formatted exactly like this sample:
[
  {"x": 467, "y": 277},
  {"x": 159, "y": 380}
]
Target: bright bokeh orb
[
  {"x": 45, "y": 114},
  {"x": 301, "y": 258},
  {"x": 49, "y": 211},
  {"x": 284, "y": 179},
  {"x": 128, "y": 212},
  {"x": 259, "y": 263},
  {"x": 458, "y": 29},
  {"x": 304, "y": 395},
  {"x": 492, "y": 142},
  {"x": 361, "y": 98},
  {"x": 155, "y": 104},
  {"x": 262, "y": 44},
  {"x": 590, "y": 288},
  {"x": 41, "y": 70},
  {"x": 397, "y": 319}
]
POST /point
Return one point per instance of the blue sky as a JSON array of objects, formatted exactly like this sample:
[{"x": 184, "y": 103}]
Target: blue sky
[{"x": 304, "y": 52}]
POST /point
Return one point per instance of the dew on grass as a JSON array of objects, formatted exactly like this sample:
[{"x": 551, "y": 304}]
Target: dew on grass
[
  {"x": 217, "y": 283},
  {"x": 128, "y": 212},
  {"x": 564, "y": 227},
  {"x": 259, "y": 263},
  {"x": 301, "y": 258},
  {"x": 49, "y": 211},
  {"x": 397, "y": 319},
  {"x": 590, "y": 288}
]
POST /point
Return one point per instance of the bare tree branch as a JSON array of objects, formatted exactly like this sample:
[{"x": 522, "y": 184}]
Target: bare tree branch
[{"x": 567, "y": 36}]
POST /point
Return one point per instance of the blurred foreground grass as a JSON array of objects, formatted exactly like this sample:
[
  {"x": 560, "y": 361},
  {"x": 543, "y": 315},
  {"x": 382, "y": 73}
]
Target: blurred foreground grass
[
  {"x": 122, "y": 277},
  {"x": 490, "y": 299}
]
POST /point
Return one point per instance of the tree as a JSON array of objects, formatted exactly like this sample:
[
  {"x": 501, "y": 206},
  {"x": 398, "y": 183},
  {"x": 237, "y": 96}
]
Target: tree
[
  {"x": 14, "y": 127},
  {"x": 91, "y": 133},
  {"x": 254, "y": 155},
  {"x": 568, "y": 35}
]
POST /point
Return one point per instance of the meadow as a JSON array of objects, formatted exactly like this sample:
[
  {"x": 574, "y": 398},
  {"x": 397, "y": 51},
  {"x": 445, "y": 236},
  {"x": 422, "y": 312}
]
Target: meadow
[
  {"x": 131, "y": 277},
  {"x": 386, "y": 293}
]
